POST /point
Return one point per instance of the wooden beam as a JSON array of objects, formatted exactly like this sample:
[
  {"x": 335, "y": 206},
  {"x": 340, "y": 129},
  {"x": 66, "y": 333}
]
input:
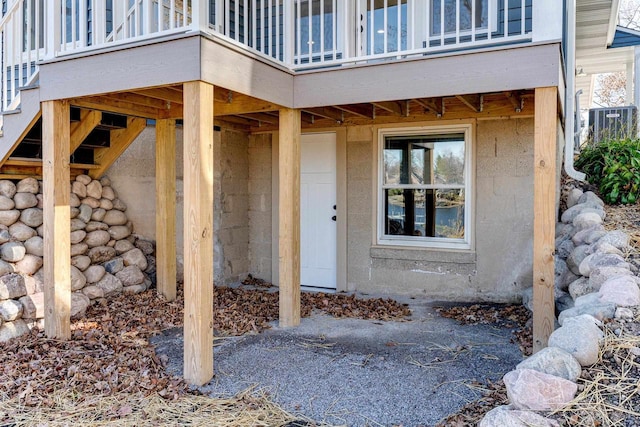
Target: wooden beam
[
  {"x": 120, "y": 140},
  {"x": 56, "y": 210},
  {"x": 111, "y": 105},
  {"x": 142, "y": 100},
  {"x": 474, "y": 102},
  {"x": 362, "y": 110},
  {"x": 162, "y": 93},
  {"x": 434, "y": 105},
  {"x": 243, "y": 104},
  {"x": 515, "y": 98},
  {"x": 261, "y": 117},
  {"x": 198, "y": 232},
  {"x": 544, "y": 214},
  {"x": 89, "y": 119},
  {"x": 399, "y": 108},
  {"x": 289, "y": 216},
  {"x": 327, "y": 113},
  {"x": 166, "y": 208}
]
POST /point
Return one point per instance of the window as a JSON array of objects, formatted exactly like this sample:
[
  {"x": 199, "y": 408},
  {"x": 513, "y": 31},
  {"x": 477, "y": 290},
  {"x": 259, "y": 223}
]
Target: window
[{"x": 424, "y": 187}]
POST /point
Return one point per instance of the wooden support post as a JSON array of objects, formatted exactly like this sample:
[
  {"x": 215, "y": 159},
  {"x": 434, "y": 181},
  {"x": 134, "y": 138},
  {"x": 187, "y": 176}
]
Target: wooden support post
[
  {"x": 289, "y": 217},
  {"x": 198, "y": 232},
  {"x": 166, "y": 207},
  {"x": 544, "y": 216},
  {"x": 57, "y": 242}
]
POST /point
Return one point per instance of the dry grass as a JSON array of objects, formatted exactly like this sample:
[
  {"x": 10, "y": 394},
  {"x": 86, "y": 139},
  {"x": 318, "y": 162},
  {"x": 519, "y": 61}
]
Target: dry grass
[
  {"x": 609, "y": 390},
  {"x": 125, "y": 409}
]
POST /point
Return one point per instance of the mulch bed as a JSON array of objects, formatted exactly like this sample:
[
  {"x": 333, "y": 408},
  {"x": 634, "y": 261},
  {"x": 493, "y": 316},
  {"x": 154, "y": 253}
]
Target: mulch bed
[{"x": 109, "y": 374}]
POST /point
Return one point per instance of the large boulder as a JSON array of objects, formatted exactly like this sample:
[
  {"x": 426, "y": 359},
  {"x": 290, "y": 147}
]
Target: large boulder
[
  {"x": 553, "y": 361},
  {"x": 579, "y": 336},
  {"x": 621, "y": 290},
  {"x": 131, "y": 275},
  {"x": 533, "y": 390},
  {"x": 135, "y": 257}
]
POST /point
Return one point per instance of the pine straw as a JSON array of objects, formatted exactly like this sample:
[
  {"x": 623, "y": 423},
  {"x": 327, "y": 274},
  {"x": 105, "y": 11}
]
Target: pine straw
[
  {"x": 123, "y": 409},
  {"x": 610, "y": 395}
]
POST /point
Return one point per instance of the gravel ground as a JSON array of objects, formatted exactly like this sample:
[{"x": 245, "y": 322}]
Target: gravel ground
[{"x": 361, "y": 372}]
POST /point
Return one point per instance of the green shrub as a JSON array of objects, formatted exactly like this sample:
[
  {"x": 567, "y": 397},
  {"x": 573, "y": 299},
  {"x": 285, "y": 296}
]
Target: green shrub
[{"x": 614, "y": 166}]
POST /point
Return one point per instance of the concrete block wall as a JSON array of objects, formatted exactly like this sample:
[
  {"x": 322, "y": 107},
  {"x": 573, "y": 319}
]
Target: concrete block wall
[
  {"x": 260, "y": 206},
  {"x": 134, "y": 176},
  {"x": 501, "y": 264}
]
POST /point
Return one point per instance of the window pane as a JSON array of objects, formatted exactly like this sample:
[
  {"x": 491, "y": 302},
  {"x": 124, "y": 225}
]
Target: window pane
[
  {"x": 424, "y": 160},
  {"x": 431, "y": 213}
]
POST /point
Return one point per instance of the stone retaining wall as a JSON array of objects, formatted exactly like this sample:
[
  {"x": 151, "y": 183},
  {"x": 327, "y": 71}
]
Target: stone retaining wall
[
  {"x": 106, "y": 257},
  {"x": 593, "y": 282}
]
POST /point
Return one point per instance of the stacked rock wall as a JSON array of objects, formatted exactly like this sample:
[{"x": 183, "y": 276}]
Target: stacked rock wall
[
  {"x": 593, "y": 282},
  {"x": 106, "y": 257}
]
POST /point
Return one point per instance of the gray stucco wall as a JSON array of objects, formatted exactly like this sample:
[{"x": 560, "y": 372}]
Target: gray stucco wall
[
  {"x": 501, "y": 263},
  {"x": 133, "y": 177}
]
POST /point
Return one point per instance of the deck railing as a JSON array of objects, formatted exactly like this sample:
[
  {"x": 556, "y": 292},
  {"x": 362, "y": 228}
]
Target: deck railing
[{"x": 299, "y": 34}]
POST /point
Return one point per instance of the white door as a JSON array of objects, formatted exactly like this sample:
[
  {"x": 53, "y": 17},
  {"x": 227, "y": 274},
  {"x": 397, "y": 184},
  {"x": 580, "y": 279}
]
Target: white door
[{"x": 317, "y": 210}]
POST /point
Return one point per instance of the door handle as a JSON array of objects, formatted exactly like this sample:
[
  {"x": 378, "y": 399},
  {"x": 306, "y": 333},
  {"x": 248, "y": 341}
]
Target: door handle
[{"x": 333, "y": 218}]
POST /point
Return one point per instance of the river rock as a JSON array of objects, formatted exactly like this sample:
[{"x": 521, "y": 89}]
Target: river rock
[
  {"x": 532, "y": 390},
  {"x": 96, "y": 225},
  {"x": 28, "y": 185},
  {"x": 588, "y": 235},
  {"x": 7, "y": 218},
  {"x": 621, "y": 290},
  {"x": 110, "y": 284},
  {"x": 5, "y": 268},
  {"x": 85, "y": 213},
  {"x": 115, "y": 217},
  {"x": 573, "y": 197},
  {"x": 12, "y": 286},
  {"x": 100, "y": 254},
  {"x": 130, "y": 275},
  {"x": 35, "y": 246},
  {"x": 502, "y": 416},
  {"x": 25, "y": 200},
  {"x": 74, "y": 201},
  {"x": 624, "y": 313},
  {"x": 4, "y": 236},
  {"x": 594, "y": 261},
  {"x": 78, "y": 281},
  {"x": 98, "y": 214},
  {"x": 79, "y": 304},
  {"x": 77, "y": 236},
  {"x": 565, "y": 248},
  {"x": 119, "y": 205},
  {"x": 570, "y": 214},
  {"x": 599, "y": 309},
  {"x": 22, "y": 232},
  {"x": 33, "y": 306},
  {"x": 84, "y": 179},
  {"x": 135, "y": 257},
  {"x": 7, "y": 188},
  {"x": 10, "y": 310},
  {"x": 73, "y": 213},
  {"x": 108, "y": 192},
  {"x": 576, "y": 257},
  {"x": 94, "y": 273},
  {"x": 106, "y": 204},
  {"x": 79, "y": 189},
  {"x": 586, "y": 220},
  {"x": 553, "y": 361},
  {"x": 79, "y": 249},
  {"x": 6, "y": 204},
  {"x": 77, "y": 224},
  {"x": 115, "y": 265},
  {"x": 94, "y": 189},
  {"x": 119, "y": 232},
  {"x": 580, "y": 337},
  {"x": 29, "y": 264},
  {"x": 93, "y": 292},
  {"x": 81, "y": 262},
  {"x": 580, "y": 287},
  {"x": 97, "y": 238},
  {"x": 616, "y": 238},
  {"x": 601, "y": 274},
  {"x": 589, "y": 197},
  {"x": 122, "y": 246},
  {"x": 13, "y": 329},
  {"x": 134, "y": 289},
  {"x": 90, "y": 201},
  {"x": 12, "y": 251},
  {"x": 35, "y": 283}
]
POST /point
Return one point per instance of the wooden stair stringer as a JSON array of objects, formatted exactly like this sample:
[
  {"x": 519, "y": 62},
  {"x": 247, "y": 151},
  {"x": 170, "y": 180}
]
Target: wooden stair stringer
[{"x": 17, "y": 124}]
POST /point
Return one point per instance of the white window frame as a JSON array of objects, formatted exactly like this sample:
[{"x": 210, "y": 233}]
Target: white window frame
[{"x": 422, "y": 241}]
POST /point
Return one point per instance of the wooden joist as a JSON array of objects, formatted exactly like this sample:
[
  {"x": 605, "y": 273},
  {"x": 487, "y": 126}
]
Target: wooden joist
[
  {"x": 198, "y": 232},
  {"x": 166, "y": 208},
  {"x": 327, "y": 113},
  {"x": 114, "y": 105},
  {"x": 516, "y": 99},
  {"x": 56, "y": 210},
  {"x": 399, "y": 108},
  {"x": 363, "y": 110},
  {"x": 544, "y": 215},
  {"x": 289, "y": 216},
  {"x": 474, "y": 102}
]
